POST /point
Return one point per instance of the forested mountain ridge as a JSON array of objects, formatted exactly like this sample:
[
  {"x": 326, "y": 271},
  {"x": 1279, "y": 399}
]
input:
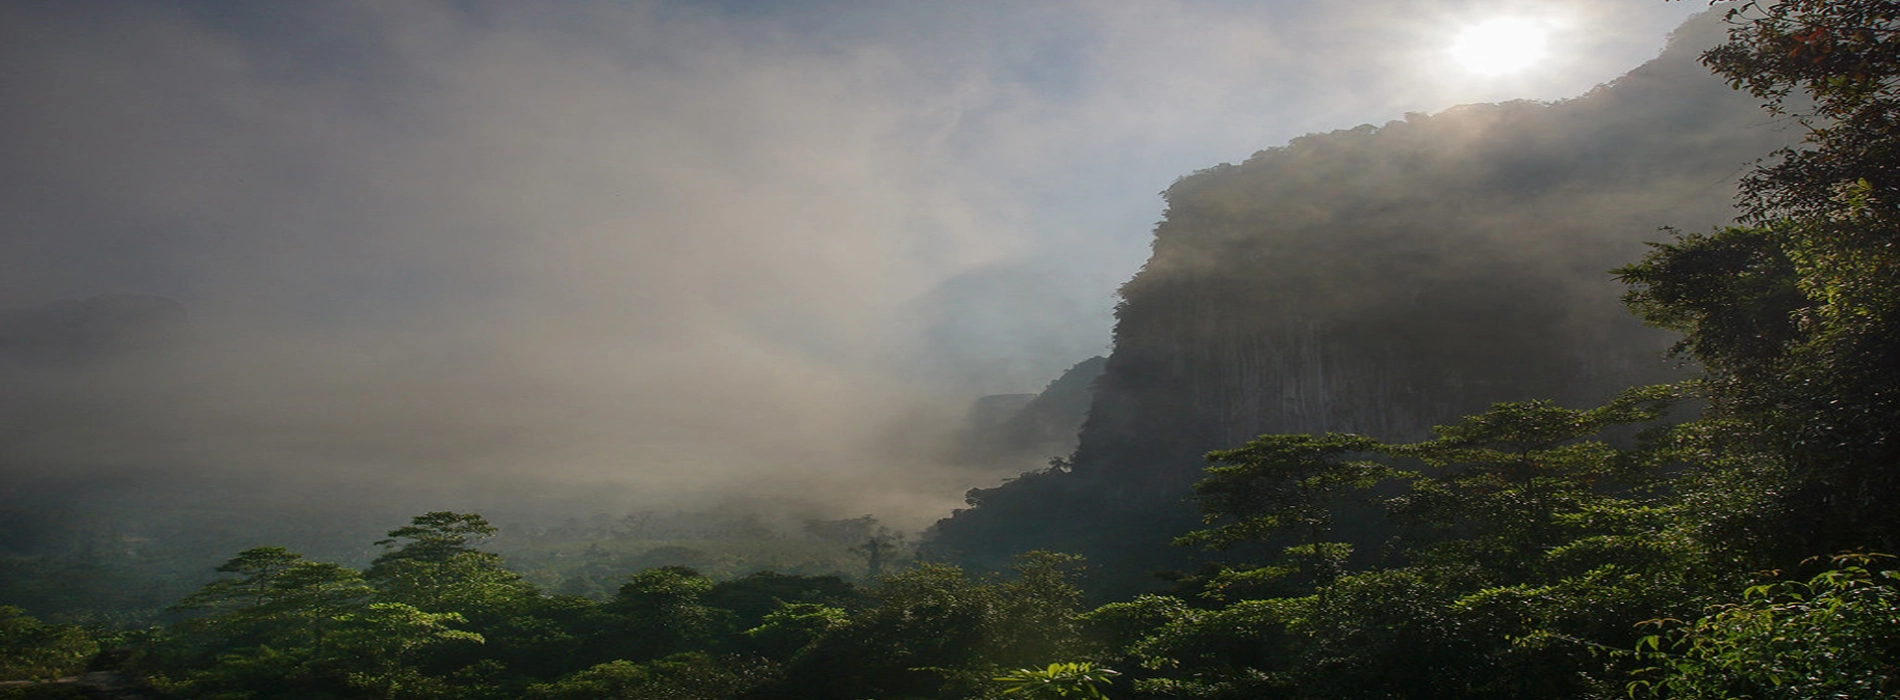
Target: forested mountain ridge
[
  {"x": 1382, "y": 280},
  {"x": 1530, "y": 550}
]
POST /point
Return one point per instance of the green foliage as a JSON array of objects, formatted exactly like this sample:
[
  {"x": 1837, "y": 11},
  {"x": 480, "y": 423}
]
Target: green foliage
[
  {"x": 752, "y": 597},
  {"x": 658, "y": 613},
  {"x": 1038, "y": 606},
  {"x": 1197, "y": 651},
  {"x": 43, "y": 691},
  {"x": 1116, "y": 627},
  {"x": 433, "y": 565},
  {"x": 1836, "y": 635},
  {"x": 274, "y": 597},
  {"x": 279, "y": 625},
  {"x": 1281, "y": 482},
  {"x": 774, "y": 614},
  {"x": 1512, "y": 483},
  {"x": 693, "y": 676},
  {"x": 35, "y": 650},
  {"x": 1067, "y": 680},
  {"x": 785, "y": 631},
  {"x": 1795, "y": 319},
  {"x": 436, "y": 536},
  {"x": 284, "y": 626},
  {"x": 1732, "y": 294},
  {"x": 936, "y": 631},
  {"x": 384, "y": 640},
  {"x": 1841, "y": 55},
  {"x": 931, "y": 616},
  {"x": 1527, "y": 545}
]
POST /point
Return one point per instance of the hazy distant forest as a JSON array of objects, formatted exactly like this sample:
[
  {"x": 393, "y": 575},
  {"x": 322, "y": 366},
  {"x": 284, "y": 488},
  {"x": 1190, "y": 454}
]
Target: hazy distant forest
[{"x": 1486, "y": 486}]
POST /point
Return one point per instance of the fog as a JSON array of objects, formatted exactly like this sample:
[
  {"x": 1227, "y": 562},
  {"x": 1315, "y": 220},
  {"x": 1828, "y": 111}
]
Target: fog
[{"x": 616, "y": 255}]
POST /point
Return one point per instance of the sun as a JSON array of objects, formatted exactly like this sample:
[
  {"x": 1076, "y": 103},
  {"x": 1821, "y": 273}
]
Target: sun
[{"x": 1500, "y": 46}]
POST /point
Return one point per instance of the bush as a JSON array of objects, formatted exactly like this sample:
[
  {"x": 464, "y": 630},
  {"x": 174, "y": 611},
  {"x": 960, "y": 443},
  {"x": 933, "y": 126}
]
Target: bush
[{"x": 34, "y": 650}]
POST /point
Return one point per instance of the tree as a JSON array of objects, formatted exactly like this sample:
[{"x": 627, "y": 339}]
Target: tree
[
  {"x": 1524, "y": 543},
  {"x": 275, "y": 597},
  {"x": 927, "y": 617},
  {"x": 1509, "y": 485},
  {"x": 877, "y": 552},
  {"x": 35, "y": 650},
  {"x": 752, "y": 596},
  {"x": 1038, "y": 605},
  {"x": 436, "y": 537},
  {"x": 1795, "y": 318},
  {"x": 382, "y": 647},
  {"x": 1279, "y": 486},
  {"x": 794, "y": 626},
  {"x": 1059, "y": 681},
  {"x": 1830, "y": 64},
  {"x": 284, "y": 626},
  {"x": 433, "y": 564},
  {"x": 658, "y": 613},
  {"x": 1836, "y": 635},
  {"x": 936, "y": 631},
  {"x": 692, "y": 676}
]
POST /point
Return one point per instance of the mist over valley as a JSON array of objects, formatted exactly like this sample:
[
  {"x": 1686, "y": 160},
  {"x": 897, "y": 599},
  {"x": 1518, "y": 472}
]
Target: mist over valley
[
  {"x": 674, "y": 275},
  {"x": 842, "y": 349}
]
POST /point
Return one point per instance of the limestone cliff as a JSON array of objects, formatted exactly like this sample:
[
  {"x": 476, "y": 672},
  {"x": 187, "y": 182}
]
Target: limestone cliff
[{"x": 1381, "y": 280}]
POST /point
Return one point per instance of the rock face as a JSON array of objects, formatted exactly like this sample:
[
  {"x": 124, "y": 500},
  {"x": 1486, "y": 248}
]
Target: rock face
[
  {"x": 1029, "y": 429},
  {"x": 1382, "y": 280}
]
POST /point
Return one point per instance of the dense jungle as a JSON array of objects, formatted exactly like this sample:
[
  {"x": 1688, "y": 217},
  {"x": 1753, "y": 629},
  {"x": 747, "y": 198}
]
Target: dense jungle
[{"x": 1563, "y": 462}]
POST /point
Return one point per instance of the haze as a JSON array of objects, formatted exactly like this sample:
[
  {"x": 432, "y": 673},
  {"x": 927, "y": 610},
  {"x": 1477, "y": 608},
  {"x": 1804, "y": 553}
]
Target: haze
[{"x": 626, "y": 254}]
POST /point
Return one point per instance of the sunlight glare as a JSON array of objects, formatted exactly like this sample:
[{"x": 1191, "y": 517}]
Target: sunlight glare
[{"x": 1500, "y": 46}]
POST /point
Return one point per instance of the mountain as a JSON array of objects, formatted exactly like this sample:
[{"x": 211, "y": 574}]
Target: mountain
[
  {"x": 1030, "y": 429},
  {"x": 1381, "y": 280}
]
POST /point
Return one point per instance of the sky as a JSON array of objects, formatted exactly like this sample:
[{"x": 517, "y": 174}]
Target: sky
[{"x": 650, "y": 252}]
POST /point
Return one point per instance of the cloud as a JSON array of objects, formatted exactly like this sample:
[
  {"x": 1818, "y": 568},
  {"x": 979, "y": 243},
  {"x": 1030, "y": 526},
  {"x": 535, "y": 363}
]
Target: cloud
[
  {"x": 474, "y": 249},
  {"x": 629, "y": 250}
]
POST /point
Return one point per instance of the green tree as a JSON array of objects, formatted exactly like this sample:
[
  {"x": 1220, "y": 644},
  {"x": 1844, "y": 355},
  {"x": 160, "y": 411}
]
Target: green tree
[
  {"x": 753, "y": 596},
  {"x": 936, "y": 631},
  {"x": 794, "y": 626},
  {"x": 35, "y": 650},
  {"x": 927, "y": 617},
  {"x": 779, "y": 614},
  {"x": 1507, "y": 486},
  {"x": 878, "y": 551},
  {"x": 436, "y": 536},
  {"x": 279, "y": 625},
  {"x": 690, "y": 676},
  {"x": 1836, "y": 635},
  {"x": 1058, "y": 681},
  {"x": 381, "y": 650},
  {"x": 1038, "y": 605},
  {"x": 1525, "y": 546},
  {"x": 433, "y": 565},
  {"x": 274, "y": 597},
  {"x": 659, "y": 613},
  {"x": 1280, "y": 487},
  {"x": 1795, "y": 318}
]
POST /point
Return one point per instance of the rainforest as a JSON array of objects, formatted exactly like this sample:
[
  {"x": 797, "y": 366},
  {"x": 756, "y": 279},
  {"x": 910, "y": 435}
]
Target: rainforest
[{"x": 1592, "y": 398}]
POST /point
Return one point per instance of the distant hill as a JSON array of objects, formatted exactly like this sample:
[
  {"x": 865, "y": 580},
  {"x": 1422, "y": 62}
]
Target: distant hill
[
  {"x": 1030, "y": 429},
  {"x": 1380, "y": 280}
]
